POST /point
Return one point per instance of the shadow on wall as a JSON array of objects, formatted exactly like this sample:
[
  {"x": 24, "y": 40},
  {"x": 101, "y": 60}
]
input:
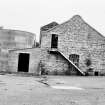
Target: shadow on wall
[
  {"x": 41, "y": 69},
  {"x": 88, "y": 64}
]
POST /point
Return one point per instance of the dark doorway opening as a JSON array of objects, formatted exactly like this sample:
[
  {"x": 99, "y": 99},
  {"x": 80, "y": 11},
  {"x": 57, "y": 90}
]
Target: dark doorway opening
[
  {"x": 54, "y": 41},
  {"x": 23, "y": 62},
  {"x": 96, "y": 73}
]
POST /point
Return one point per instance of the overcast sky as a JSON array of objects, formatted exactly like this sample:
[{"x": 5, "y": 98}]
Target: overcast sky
[{"x": 30, "y": 15}]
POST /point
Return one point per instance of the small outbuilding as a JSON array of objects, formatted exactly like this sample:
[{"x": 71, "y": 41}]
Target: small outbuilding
[{"x": 25, "y": 60}]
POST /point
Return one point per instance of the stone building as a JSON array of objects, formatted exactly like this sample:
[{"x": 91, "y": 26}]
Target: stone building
[
  {"x": 25, "y": 60},
  {"x": 70, "y": 48},
  {"x": 73, "y": 47},
  {"x": 12, "y": 40}
]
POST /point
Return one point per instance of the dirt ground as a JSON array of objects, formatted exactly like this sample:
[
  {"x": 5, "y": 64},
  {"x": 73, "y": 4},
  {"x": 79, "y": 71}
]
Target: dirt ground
[{"x": 31, "y": 90}]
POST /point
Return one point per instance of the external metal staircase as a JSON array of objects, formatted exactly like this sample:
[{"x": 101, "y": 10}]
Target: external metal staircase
[{"x": 77, "y": 68}]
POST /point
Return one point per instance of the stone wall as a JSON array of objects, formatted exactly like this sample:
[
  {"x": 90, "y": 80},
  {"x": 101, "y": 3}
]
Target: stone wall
[
  {"x": 76, "y": 37},
  {"x": 15, "y": 39},
  {"x": 3, "y": 60},
  {"x": 35, "y": 54},
  {"x": 53, "y": 63}
]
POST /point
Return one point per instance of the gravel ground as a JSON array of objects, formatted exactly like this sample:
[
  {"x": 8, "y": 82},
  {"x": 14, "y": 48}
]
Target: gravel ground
[{"x": 21, "y": 90}]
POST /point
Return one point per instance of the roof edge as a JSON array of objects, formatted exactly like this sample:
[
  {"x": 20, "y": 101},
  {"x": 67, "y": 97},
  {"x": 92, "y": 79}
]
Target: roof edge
[{"x": 75, "y": 16}]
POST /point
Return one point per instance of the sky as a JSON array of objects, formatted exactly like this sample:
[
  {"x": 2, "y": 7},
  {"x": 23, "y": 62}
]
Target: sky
[{"x": 30, "y": 15}]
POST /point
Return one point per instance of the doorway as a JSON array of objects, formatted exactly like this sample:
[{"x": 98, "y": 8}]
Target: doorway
[
  {"x": 96, "y": 73},
  {"x": 54, "y": 41},
  {"x": 23, "y": 62},
  {"x": 75, "y": 59}
]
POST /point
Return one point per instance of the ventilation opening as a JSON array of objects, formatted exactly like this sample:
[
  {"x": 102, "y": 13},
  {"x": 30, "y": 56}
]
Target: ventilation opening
[
  {"x": 23, "y": 62},
  {"x": 54, "y": 41}
]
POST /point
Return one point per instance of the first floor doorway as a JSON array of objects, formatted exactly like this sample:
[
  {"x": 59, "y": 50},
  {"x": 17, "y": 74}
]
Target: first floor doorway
[
  {"x": 96, "y": 73},
  {"x": 23, "y": 62},
  {"x": 54, "y": 41}
]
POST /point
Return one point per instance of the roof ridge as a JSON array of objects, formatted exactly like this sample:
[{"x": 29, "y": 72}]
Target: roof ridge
[{"x": 73, "y": 17}]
